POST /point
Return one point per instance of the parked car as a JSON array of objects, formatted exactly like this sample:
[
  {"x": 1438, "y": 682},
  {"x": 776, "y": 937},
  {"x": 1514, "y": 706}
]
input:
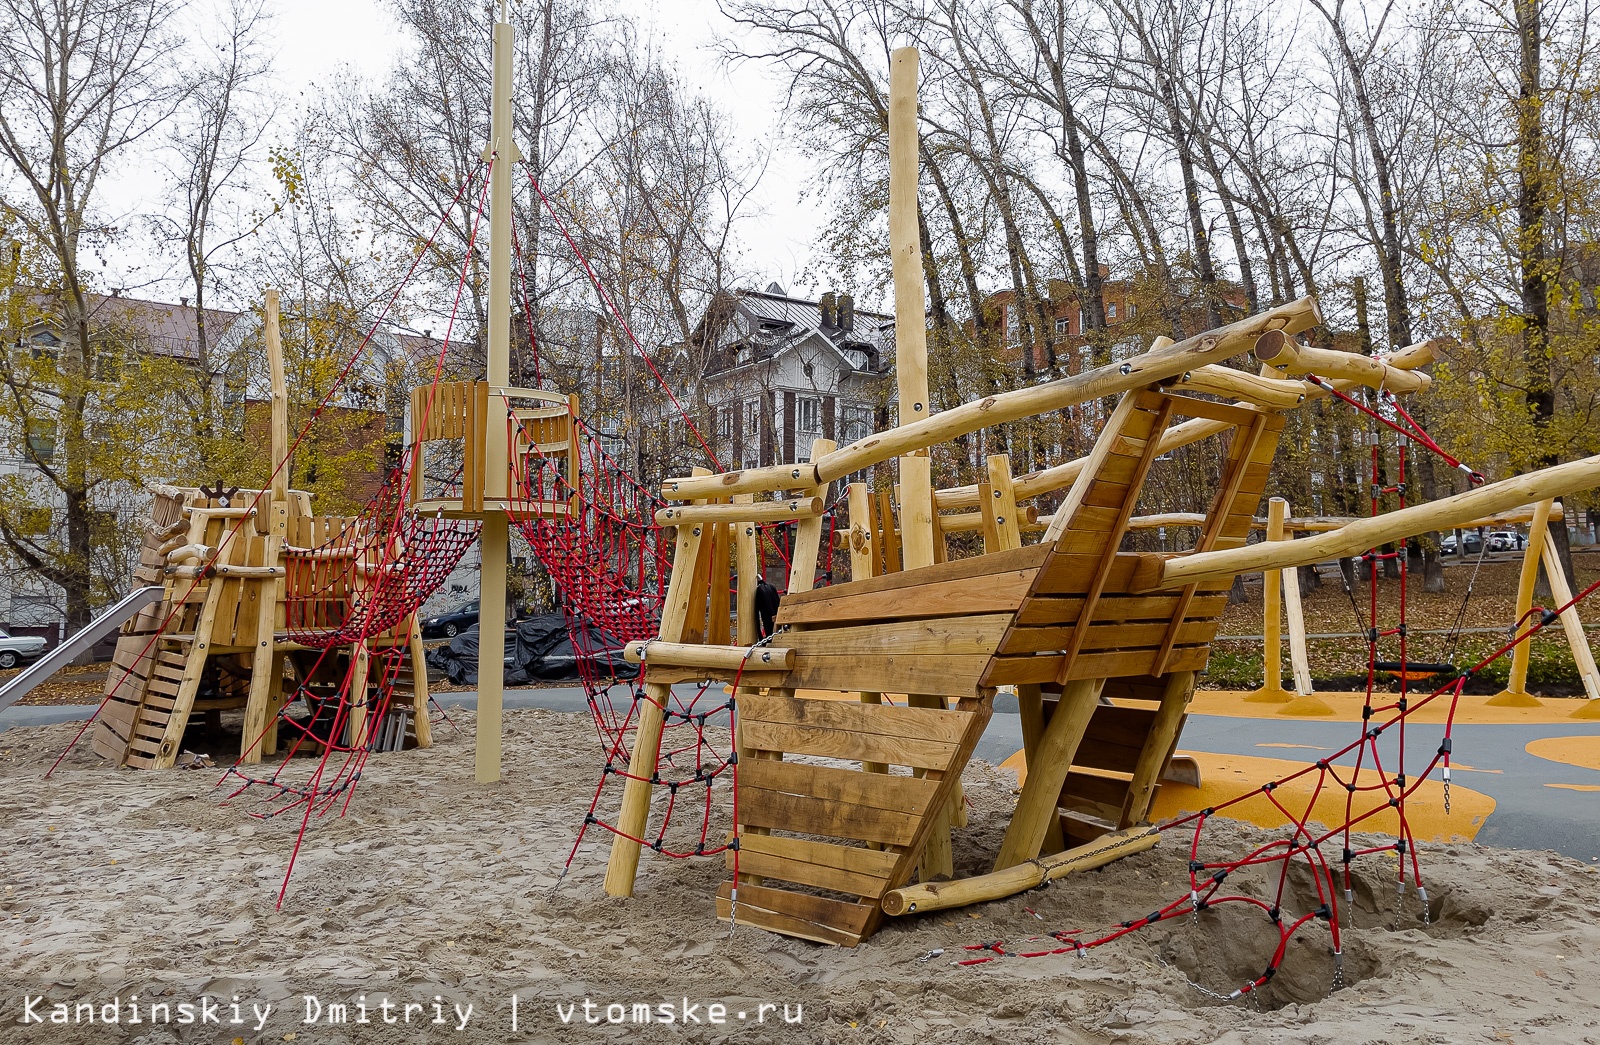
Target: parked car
[
  {"x": 1507, "y": 541},
  {"x": 19, "y": 649},
  {"x": 449, "y": 625},
  {"x": 1471, "y": 543}
]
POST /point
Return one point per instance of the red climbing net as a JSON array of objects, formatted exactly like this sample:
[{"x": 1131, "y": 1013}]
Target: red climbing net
[{"x": 1374, "y": 785}]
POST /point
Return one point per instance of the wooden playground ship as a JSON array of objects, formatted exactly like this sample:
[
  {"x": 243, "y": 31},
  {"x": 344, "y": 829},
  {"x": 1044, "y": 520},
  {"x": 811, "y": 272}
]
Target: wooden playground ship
[
  {"x": 841, "y": 804},
  {"x": 844, "y": 806}
]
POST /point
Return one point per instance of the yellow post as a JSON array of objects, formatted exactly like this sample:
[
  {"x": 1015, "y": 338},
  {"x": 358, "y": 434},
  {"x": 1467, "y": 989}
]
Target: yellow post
[
  {"x": 1272, "y": 691},
  {"x": 910, "y": 314},
  {"x": 1516, "y": 694}
]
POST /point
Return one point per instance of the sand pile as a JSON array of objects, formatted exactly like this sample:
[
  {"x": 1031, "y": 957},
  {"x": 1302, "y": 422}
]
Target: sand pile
[{"x": 123, "y": 885}]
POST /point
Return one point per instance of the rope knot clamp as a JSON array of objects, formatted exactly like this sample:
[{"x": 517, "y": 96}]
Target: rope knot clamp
[
  {"x": 1375, "y": 732},
  {"x": 1444, "y": 746},
  {"x": 1394, "y": 803},
  {"x": 1269, "y": 787},
  {"x": 1351, "y": 788},
  {"x": 1349, "y": 855},
  {"x": 1372, "y": 634},
  {"x": 656, "y": 845},
  {"x": 1274, "y": 914},
  {"x": 1325, "y": 912},
  {"x": 1196, "y": 865},
  {"x": 589, "y": 819},
  {"x": 1366, "y": 712},
  {"x": 1400, "y": 782},
  {"x": 733, "y": 846},
  {"x": 1152, "y": 918},
  {"x": 733, "y": 758},
  {"x": 1400, "y": 847},
  {"x": 1219, "y": 877}
]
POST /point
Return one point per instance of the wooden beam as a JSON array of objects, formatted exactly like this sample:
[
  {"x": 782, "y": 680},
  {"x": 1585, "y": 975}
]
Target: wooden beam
[
  {"x": 1002, "y": 504},
  {"x": 697, "y": 655},
  {"x": 1050, "y": 479},
  {"x": 1119, "y": 525},
  {"x": 808, "y": 532},
  {"x": 1009, "y": 881},
  {"x": 634, "y": 815},
  {"x": 1516, "y": 692},
  {"x": 1272, "y": 691},
  {"x": 1277, "y": 350},
  {"x": 1037, "y": 804},
  {"x": 798, "y": 509},
  {"x": 1245, "y": 441},
  {"x": 1216, "y": 380},
  {"x": 1158, "y": 746},
  {"x": 1030, "y": 706},
  {"x": 863, "y": 557},
  {"x": 1561, "y": 593},
  {"x": 1443, "y": 514}
]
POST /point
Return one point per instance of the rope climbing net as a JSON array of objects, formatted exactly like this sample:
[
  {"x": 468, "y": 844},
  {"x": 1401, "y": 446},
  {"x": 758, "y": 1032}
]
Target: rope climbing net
[{"x": 1377, "y": 785}]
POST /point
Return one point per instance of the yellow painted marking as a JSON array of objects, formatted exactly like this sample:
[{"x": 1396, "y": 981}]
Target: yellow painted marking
[
  {"x": 1347, "y": 708},
  {"x": 1306, "y": 747},
  {"x": 1574, "y": 751},
  {"x": 1226, "y": 776},
  {"x": 1576, "y": 787},
  {"x": 1474, "y": 769}
]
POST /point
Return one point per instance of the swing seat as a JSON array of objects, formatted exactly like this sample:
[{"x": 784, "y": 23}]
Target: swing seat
[{"x": 1414, "y": 671}]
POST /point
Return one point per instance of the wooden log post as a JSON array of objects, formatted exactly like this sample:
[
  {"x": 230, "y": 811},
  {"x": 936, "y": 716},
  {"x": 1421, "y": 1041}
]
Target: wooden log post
[
  {"x": 1158, "y": 745},
  {"x": 1582, "y": 654},
  {"x": 422, "y": 722},
  {"x": 1272, "y": 691},
  {"x": 1516, "y": 694},
  {"x": 911, "y": 348},
  {"x": 634, "y": 815},
  {"x": 937, "y": 896},
  {"x": 808, "y": 531},
  {"x": 1001, "y": 506},
  {"x": 1041, "y": 794},
  {"x": 1299, "y": 656},
  {"x": 1030, "y": 708}
]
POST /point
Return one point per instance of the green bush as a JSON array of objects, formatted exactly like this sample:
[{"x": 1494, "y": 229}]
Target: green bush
[{"x": 1229, "y": 669}]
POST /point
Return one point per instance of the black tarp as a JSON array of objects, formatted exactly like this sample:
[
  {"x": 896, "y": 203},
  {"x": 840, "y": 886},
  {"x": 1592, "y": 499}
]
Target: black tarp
[{"x": 538, "y": 650}]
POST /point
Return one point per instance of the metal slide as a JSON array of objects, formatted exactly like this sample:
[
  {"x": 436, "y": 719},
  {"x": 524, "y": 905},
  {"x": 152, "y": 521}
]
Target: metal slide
[{"x": 109, "y": 621}]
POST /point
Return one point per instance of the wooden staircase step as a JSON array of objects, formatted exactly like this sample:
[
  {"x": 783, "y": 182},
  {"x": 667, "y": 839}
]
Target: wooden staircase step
[
  {"x": 797, "y": 914},
  {"x": 820, "y": 865}
]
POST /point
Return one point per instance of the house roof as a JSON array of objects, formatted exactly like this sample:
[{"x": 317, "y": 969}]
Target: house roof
[
  {"x": 158, "y": 327},
  {"x": 771, "y": 322}
]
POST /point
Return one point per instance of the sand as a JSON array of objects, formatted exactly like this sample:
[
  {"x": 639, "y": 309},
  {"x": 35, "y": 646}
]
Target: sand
[{"x": 120, "y": 883}]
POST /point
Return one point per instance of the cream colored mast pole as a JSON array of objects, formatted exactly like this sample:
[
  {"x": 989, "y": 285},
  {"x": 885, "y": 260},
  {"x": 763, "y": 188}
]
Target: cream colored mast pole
[
  {"x": 910, "y": 315},
  {"x": 502, "y": 153}
]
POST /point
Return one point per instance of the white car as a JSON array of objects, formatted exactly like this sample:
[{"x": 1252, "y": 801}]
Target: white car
[{"x": 19, "y": 649}]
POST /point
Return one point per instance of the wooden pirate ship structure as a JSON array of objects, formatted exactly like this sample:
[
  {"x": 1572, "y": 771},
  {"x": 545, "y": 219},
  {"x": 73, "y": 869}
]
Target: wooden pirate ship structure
[
  {"x": 843, "y": 805},
  {"x": 247, "y": 577}
]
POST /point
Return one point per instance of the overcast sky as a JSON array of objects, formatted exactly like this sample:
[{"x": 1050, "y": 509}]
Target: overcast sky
[{"x": 316, "y": 37}]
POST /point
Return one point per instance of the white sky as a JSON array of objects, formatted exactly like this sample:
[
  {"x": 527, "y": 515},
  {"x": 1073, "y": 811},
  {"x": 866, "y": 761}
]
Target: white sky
[{"x": 316, "y": 37}]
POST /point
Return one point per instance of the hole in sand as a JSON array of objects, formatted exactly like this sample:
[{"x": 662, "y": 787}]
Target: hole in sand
[{"x": 1230, "y": 944}]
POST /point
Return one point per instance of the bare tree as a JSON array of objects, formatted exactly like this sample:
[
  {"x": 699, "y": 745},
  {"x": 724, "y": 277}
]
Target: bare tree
[{"x": 80, "y": 84}]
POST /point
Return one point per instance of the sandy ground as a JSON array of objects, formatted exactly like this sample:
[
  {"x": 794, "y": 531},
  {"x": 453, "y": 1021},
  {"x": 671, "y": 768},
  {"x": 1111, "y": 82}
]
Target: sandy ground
[{"x": 117, "y": 883}]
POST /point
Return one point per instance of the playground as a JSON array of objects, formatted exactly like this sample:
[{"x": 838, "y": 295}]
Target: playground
[
  {"x": 854, "y": 750},
  {"x": 434, "y": 886}
]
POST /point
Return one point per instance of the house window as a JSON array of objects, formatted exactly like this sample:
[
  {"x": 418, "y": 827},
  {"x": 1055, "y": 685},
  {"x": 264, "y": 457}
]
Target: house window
[
  {"x": 1111, "y": 311},
  {"x": 725, "y": 423},
  {"x": 1013, "y": 324},
  {"x": 808, "y": 415},
  {"x": 1063, "y": 326},
  {"x": 855, "y": 422},
  {"x": 1133, "y": 310},
  {"x": 752, "y": 417},
  {"x": 42, "y": 439}
]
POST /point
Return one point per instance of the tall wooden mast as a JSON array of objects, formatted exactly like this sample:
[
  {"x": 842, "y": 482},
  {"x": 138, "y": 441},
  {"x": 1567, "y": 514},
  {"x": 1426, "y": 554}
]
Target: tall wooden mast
[{"x": 501, "y": 154}]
